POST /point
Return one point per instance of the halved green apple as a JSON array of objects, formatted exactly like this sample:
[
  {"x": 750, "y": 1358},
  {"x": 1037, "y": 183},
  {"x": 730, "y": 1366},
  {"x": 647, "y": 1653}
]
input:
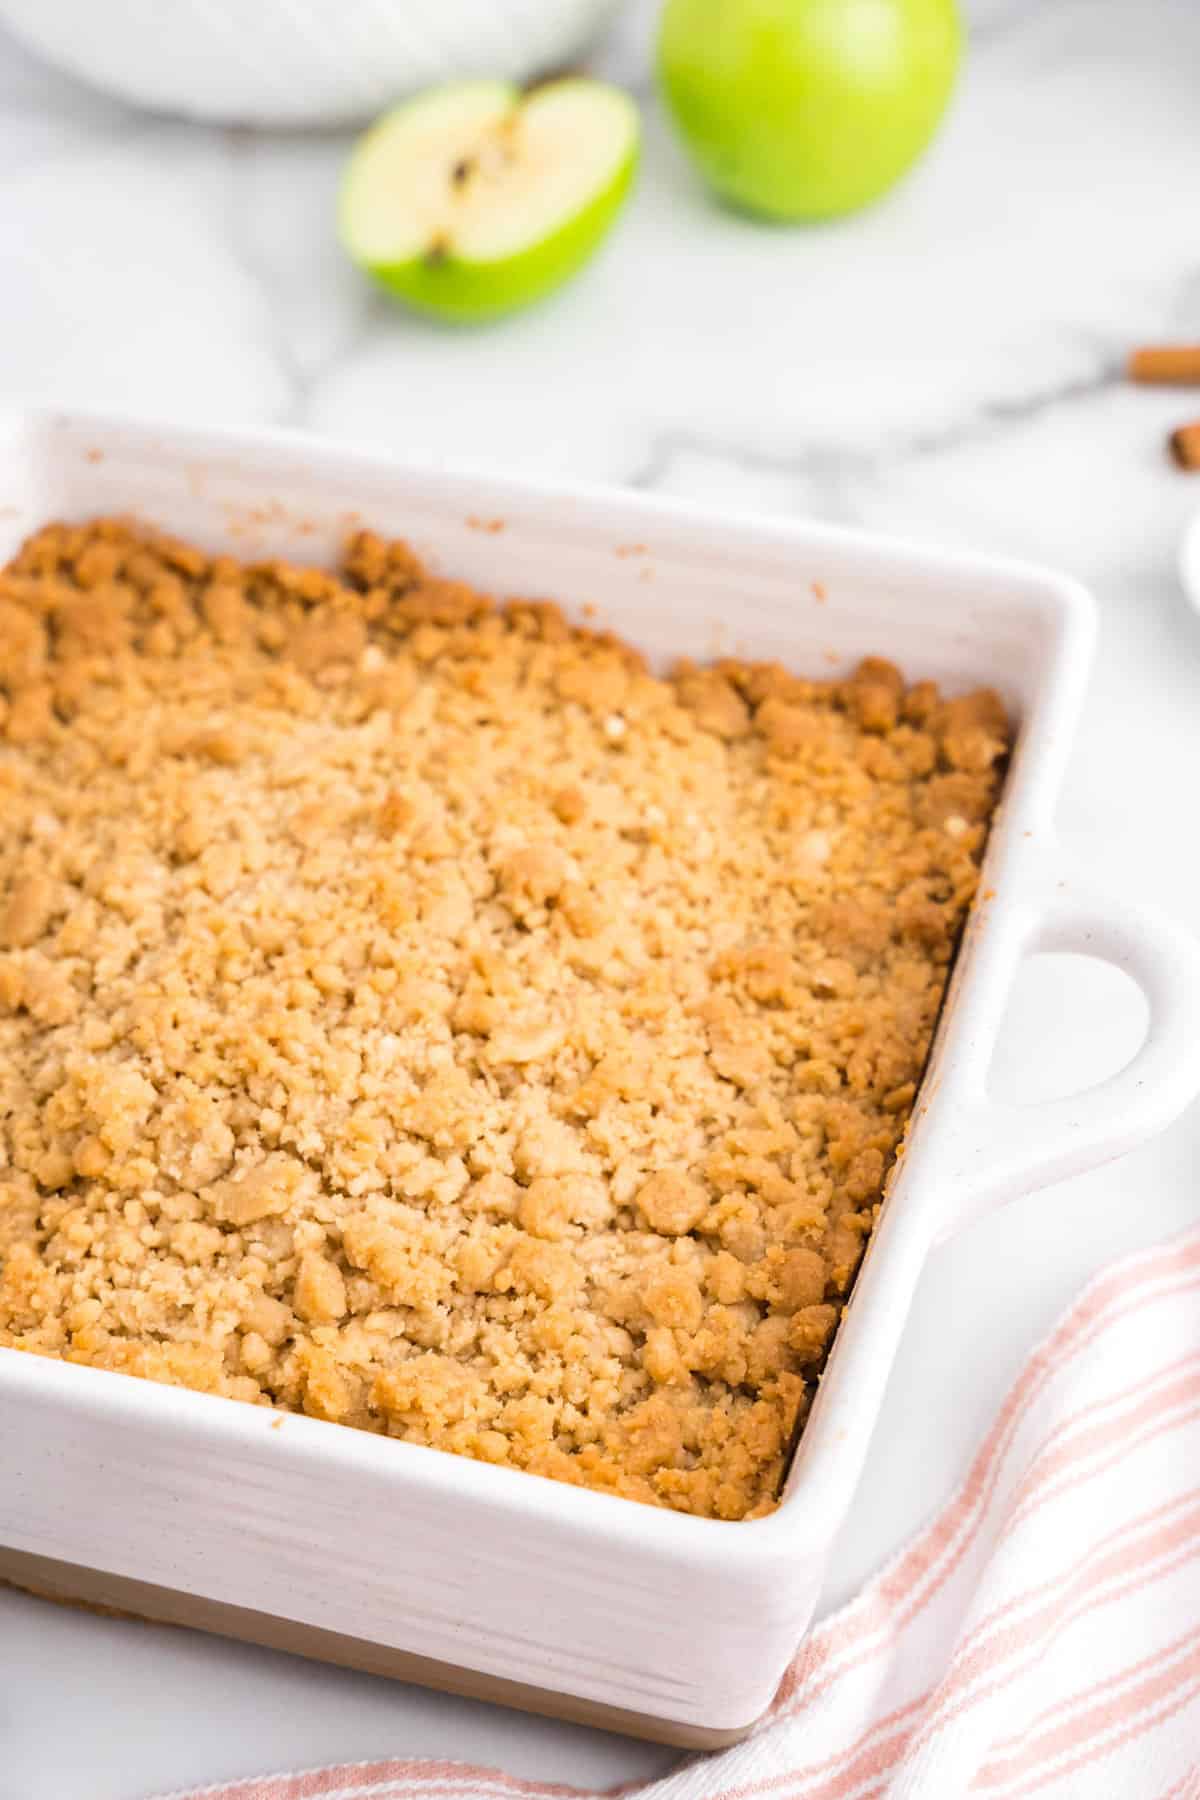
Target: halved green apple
[{"x": 475, "y": 199}]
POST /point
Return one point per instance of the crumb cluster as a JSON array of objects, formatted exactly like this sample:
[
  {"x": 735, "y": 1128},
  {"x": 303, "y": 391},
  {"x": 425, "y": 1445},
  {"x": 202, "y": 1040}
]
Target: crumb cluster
[{"x": 415, "y": 1013}]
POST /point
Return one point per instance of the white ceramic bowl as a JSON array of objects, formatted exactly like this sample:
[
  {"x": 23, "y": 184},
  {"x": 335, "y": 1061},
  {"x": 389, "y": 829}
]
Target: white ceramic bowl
[
  {"x": 1189, "y": 563},
  {"x": 298, "y": 62},
  {"x": 408, "y": 1561}
]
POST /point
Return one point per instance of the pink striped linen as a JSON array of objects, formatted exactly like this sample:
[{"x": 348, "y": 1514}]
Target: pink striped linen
[{"x": 1040, "y": 1637}]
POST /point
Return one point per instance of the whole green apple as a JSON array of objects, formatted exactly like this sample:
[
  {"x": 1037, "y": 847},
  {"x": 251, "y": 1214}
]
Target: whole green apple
[{"x": 807, "y": 109}]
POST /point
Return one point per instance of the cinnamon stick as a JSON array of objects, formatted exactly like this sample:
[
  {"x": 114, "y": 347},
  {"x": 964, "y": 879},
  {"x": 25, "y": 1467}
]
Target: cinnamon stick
[
  {"x": 1166, "y": 365},
  {"x": 1185, "y": 446}
]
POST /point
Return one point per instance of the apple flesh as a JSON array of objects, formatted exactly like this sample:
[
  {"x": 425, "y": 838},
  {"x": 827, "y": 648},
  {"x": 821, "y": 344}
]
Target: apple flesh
[
  {"x": 807, "y": 109},
  {"x": 475, "y": 199}
]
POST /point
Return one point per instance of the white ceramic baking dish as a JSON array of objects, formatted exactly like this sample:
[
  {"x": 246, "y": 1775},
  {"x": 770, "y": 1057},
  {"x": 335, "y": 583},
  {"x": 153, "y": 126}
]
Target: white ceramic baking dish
[{"x": 400, "y": 1559}]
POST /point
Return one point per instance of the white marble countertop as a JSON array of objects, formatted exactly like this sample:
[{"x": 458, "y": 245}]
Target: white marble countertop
[{"x": 945, "y": 367}]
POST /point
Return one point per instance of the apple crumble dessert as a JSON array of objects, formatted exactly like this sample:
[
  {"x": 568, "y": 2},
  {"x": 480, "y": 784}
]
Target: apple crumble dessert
[{"x": 418, "y": 1014}]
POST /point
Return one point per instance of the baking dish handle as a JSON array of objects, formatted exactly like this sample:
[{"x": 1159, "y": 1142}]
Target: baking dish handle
[{"x": 997, "y": 1150}]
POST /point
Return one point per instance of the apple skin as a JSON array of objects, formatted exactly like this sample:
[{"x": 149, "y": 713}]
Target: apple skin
[
  {"x": 450, "y": 288},
  {"x": 807, "y": 109}
]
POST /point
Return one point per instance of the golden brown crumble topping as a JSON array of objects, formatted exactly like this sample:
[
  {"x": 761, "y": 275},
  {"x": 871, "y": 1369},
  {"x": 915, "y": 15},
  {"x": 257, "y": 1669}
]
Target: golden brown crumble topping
[{"x": 417, "y": 1014}]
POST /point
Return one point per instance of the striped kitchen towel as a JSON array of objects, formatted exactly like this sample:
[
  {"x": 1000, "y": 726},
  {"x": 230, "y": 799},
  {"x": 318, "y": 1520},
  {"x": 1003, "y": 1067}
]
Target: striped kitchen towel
[{"x": 1040, "y": 1636}]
